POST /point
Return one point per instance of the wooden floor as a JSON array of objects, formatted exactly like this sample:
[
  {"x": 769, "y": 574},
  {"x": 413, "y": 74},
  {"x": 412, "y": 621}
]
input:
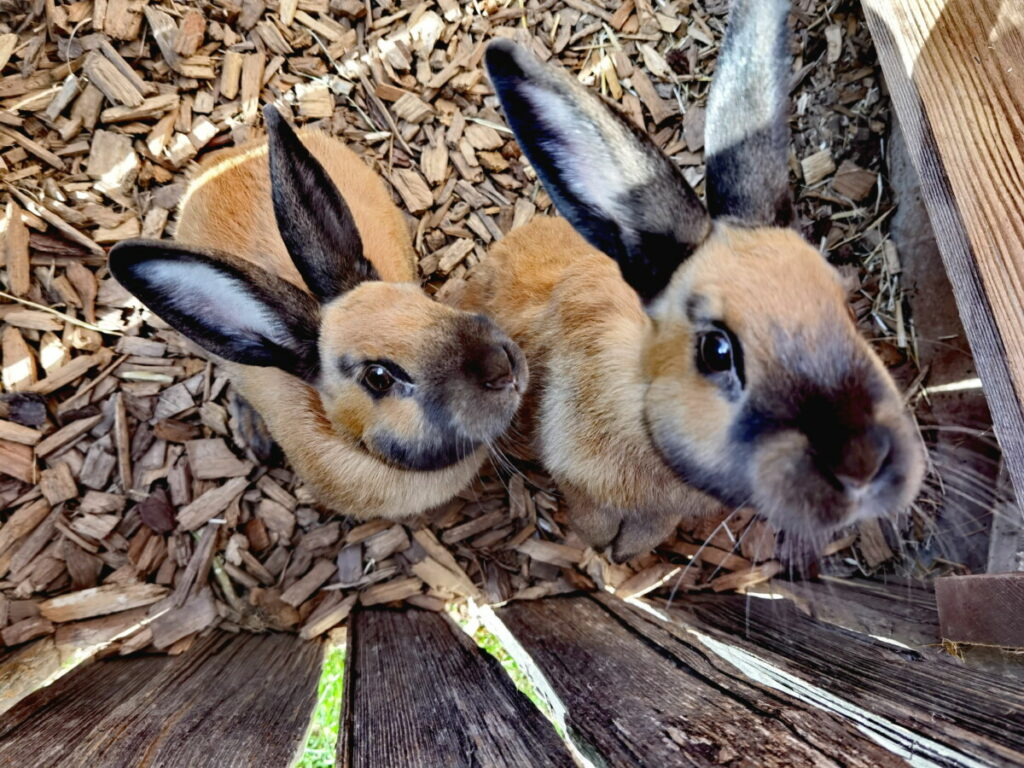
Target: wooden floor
[{"x": 718, "y": 680}]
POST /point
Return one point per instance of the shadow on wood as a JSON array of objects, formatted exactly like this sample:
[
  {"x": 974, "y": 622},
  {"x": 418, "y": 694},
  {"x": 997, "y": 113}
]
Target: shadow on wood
[
  {"x": 232, "y": 700},
  {"x": 633, "y": 692},
  {"x": 420, "y": 694},
  {"x": 935, "y": 709}
]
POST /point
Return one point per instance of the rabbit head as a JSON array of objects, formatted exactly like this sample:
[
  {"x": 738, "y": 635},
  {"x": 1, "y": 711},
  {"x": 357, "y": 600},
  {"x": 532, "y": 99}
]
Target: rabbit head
[
  {"x": 418, "y": 384},
  {"x": 760, "y": 390}
]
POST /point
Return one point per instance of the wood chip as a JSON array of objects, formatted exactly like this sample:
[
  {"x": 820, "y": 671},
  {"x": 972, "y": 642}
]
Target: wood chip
[{"x": 99, "y": 601}]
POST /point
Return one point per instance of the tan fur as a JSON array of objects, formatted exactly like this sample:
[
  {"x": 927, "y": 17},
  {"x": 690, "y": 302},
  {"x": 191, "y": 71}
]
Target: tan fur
[
  {"x": 228, "y": 207},
  {"x": 603, "y": 369},
  {"x": 584, "y": 334}
]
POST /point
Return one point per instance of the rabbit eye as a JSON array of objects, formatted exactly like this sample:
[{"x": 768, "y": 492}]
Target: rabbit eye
[
  {"x": 714, "y": 352},
  {"x": 378, "y": 379}
]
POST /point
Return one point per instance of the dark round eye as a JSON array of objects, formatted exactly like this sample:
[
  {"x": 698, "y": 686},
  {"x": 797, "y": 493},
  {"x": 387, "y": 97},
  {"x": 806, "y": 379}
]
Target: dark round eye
[
  {"x": 715, "y": 352},
  {"x": 378, "y": 379}
]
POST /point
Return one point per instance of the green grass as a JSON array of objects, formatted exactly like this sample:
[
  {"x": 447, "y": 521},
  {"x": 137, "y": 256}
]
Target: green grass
[
  {"x": 323, "y": 734},
  {"x": 319, "y": 751}
]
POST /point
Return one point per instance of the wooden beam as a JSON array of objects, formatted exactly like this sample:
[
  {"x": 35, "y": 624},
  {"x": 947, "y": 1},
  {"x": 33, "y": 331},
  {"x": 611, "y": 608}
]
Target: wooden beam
[
  {"x": 952, "y": 71},
  {"x": 900, "y": 612},
  {"x": 630, "y": 692},
  {"x": 420, "y": 694},
  {"x": 231, "y": 700},
  {"x": 986, "y": 609},
  {"x": 921, "y": 705}
]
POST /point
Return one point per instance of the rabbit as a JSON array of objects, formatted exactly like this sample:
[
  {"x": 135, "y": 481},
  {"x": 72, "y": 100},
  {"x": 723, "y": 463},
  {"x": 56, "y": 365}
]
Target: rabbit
[
  {"x": 295, "y": 269},
  {"x": 685, "y": 356}
]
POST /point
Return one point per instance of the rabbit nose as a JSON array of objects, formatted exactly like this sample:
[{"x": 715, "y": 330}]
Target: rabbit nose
[
  {"x": 495, "y": 368},
  {"x": 863, "y": 458}
]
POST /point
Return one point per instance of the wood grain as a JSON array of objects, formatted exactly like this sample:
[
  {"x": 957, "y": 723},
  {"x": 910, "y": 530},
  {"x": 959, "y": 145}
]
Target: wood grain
[
  {"x": 922, "y": 704},
  {"x": 987, "y": 609},
  {"x": 953, "y": 68},
  {"x": 232, "y": 700},
  {"x": 419, "y": 693},
  {"x": 630, "y": 692}
]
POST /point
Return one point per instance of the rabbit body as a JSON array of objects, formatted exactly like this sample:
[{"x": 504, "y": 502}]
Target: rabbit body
[
  {"x": 295, "y": 269},
  {"x": 585, "y": 335},
  {"x": 680, "y": 349}
]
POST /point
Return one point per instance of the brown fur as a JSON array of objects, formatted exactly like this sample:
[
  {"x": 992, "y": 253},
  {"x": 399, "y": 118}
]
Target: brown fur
[
  {"x": 584, "y": 333},
  {"x": 228, "y": 207},
  {"x": 605, "y": 371}
]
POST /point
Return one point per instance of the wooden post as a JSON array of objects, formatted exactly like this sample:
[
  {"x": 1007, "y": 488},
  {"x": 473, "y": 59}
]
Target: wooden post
[{"x": 953, "y": 70}]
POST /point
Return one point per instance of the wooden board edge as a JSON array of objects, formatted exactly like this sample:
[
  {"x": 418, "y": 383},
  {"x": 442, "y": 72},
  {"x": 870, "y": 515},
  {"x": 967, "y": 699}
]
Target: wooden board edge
[{"x": 958, "y": 255}]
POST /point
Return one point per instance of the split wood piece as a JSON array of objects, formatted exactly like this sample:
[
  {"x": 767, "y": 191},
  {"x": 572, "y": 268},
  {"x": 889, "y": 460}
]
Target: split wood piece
[
  {"x": 959, "y": 107},
  {"x": 114, "y": 85},
  {"x": 931, "y": 708},
  {"x": 70, "y": 372},
  {"x": 986, "y": 609},
  {"x": 170, "y": 626},
  {"x": 630, "y": 692},
  {"x": 210, "y": 504},
  {"x": 302, "y": 589},
  {"x": 111, "y": 598},
  {"x": 326, "y": 616},
  {"x": 211, "y": 459},
  {"x": 390, "y": 591},
  {"x": 14, "y": 250},
  {"x": 173, "y": 709},
  {"x": 16, "y": 433},
  {"x": 419, "y": 693},
  {"x": 17, "y": 460}
]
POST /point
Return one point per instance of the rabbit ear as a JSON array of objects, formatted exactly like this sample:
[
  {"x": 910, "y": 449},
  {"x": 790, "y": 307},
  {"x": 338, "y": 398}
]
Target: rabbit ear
[
  {"x": 604, "y": 175},
  {"x": 747, "y": 129},
  {"x": 315, "y": 223},
  {"x": 228, "y": 306}
]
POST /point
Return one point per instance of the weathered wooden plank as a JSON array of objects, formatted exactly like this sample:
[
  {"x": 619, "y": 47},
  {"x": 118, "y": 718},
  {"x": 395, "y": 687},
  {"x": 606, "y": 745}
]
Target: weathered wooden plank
[
  {"x": 232, "y": 700},
  {"x": 961, "y": 107},
  {"x": 937, "y": 710},
  {"x": 902, "y": 612},
  {"x": 630, "y": 692},
  {"x": 987, "y": 609},
  {"x": 418, "y": 692}
]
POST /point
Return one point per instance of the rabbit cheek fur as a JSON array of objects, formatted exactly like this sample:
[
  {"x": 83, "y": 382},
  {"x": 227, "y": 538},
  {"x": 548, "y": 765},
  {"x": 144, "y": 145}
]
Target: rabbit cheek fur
[
  {"x": 433, "y": 417},
  {"x": 298, "y": 274},
  {"x": 815, "y": 436}
]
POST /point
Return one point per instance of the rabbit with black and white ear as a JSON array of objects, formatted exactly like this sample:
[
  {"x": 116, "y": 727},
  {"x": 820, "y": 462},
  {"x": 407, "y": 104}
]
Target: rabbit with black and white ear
[
  {"x": 703, "y": 350},
  {"x": 295, "y": 269}
]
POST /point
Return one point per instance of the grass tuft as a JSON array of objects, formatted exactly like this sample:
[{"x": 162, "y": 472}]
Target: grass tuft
[{"x": 322, "y": 742}]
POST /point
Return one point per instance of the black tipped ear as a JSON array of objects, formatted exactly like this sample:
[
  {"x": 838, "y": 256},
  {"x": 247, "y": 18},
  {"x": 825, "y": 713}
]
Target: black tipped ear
[
  {"x": 747, "y": 128},
  {"x": 226, "y": 305},
  {"x": 315, "y": 223},
  {"x": 608, "y": 178}
]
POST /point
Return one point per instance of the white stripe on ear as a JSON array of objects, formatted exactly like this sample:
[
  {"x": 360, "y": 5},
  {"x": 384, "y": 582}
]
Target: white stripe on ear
[
  {"x": 213, "y": 299},
  {"x": 588, "y": 162}
]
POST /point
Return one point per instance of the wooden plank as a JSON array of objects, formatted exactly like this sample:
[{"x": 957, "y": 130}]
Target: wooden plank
[
  {"x": 418, "y": 692},
  {"x": 901, "y": 612},
  {"x": 928, "y": 706},
  {"x": 986, "y": 609},
  {"x": 961, "y": 107},
  {"x": 232, "y": 700},
  {"x": 630, "y": 692}
]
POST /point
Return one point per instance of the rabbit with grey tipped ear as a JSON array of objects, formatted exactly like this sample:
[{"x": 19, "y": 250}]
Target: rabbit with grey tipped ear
[
  {"x": 295, "y": 269},
  {"x": 680, "y": 351}
]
